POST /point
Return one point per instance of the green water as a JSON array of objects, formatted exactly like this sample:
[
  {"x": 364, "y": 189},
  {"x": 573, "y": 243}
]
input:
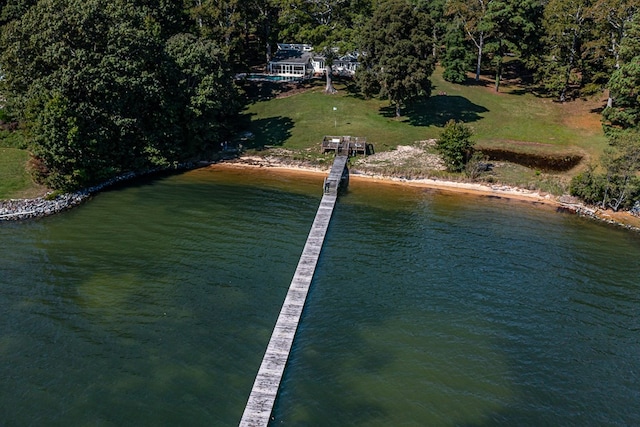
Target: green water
[{"x": 153, "y": 304}]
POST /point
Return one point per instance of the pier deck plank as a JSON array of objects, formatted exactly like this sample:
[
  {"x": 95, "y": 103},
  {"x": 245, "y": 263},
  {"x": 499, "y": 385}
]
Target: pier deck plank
[{"x": 267, "y": 382}]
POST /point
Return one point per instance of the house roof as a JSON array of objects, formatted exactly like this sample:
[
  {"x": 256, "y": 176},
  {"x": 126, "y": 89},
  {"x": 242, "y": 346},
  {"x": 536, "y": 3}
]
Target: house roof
[
  {"x": 348, "y": 58},
  {"x": 303, "y": 47},
  {"x": 291, "y": 56}
]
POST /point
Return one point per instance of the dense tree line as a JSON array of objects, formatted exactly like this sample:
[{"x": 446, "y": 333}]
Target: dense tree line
[{"x": 104, "y": 87}]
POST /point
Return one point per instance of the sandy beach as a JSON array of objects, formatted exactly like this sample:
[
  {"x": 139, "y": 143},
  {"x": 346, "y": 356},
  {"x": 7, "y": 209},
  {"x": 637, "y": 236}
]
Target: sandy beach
[{"x": 564, "y": 203}]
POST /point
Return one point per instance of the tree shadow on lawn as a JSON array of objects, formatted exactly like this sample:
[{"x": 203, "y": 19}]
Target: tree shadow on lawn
[
  {"x": 438, "y": 110},
  {"x": 256, "y": 91},
  {"x": 269, "y": 132}
]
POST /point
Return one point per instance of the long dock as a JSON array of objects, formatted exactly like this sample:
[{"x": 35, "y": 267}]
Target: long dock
[{"x": 263, "y": 395}]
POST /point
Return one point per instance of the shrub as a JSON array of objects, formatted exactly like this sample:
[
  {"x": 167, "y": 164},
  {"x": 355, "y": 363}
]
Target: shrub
[
  {"x": 455, "y": 145},
  {"x": 477, "y": 164},
  {"x": 588, "y": 186}
]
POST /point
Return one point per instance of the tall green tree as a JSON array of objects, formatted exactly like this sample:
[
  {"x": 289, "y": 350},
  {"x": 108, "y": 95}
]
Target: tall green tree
[
  {"x": 499, "y": 27},
  {"x": 101, "y": 93},
  {"x": 436, "y": 11},
  {"x": 618, "y": 186},
  {"x": 629, "y": 46},
  {"x": 622, "y": 164},
  {"x": 201, "y": 95},
  {"x": 266, "y": 25},
  {"x": 622, "y": 113},
  {"x": 568, "y": 25},
  {"x": 228, "y": 23},
  {"x": 612, "y": 19},
  {"x": 14, "y": 9},
  {"x": 510, "y": 25},
  {"x": 472, "y": 14},
  {"x": 456, "y": 58},
  {"x": 396, "y": 53}
]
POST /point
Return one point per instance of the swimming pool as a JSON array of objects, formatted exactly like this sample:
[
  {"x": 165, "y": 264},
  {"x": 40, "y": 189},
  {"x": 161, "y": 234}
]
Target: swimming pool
[{"x": 268, "y": 77}]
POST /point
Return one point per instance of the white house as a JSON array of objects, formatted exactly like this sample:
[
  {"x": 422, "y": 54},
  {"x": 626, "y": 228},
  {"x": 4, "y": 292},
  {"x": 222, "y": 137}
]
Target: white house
[
  {"x": 298, "y": 60},
  {"x": 318, "y": 64},
  {"x": 291, "y": 60},
  {"x": 346, "y": 65}
]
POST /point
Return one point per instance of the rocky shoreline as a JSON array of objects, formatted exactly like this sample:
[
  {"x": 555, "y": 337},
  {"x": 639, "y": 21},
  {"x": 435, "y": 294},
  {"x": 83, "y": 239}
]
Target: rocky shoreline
[
  {"x": 23, "y": 209},
  {"x": 598, "y": 215},
  {"x": 40, "y": 207}
]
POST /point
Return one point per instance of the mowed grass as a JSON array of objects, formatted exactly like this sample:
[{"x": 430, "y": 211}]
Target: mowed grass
[
  {"x": 15, "y": 182},
  {"x": 511, "y": 119}
]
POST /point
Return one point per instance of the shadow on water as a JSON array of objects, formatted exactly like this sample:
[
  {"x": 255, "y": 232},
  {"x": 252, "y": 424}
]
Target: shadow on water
[{"x": 438, "y": 110}]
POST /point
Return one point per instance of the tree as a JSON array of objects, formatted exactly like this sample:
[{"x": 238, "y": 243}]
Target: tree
[
  {"x": 622, "y": 113},
  {"x": 629, "y": 47},
  {"x": 619, "y": 185},
  {"x": 205, "y": 102},
  {"x": 229, "y": 23},
  {"x": 14, "y": 9},
  {"x": 436, "y": 11},
  {"x": 101, "y": 91},
  {"x": 624, "y": 86},
  {"x": 456, "y": 57},
  {"x": 622, "y": 164},
  {"x": 510, "y": 25},
  {"x": 498, "y": 27},
  {"x": 396, "y": 59},
  {"x": 472, "y": 14},
  {"x": 455, "y": 145},
  {"x": 567, "y": 25},
  {"x": 588, "y": 186},
  {"x": 322, "y": 23},
  {"x": 612, "y": 19}
]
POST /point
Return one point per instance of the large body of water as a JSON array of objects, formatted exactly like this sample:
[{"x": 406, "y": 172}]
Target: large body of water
[{"x": 153, "y": 305}]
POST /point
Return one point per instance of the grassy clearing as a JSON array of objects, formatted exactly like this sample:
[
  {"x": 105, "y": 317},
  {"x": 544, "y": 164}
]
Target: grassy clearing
[
  {"x": 15, "y": 182},
  {"x": 511, "y": 118}
]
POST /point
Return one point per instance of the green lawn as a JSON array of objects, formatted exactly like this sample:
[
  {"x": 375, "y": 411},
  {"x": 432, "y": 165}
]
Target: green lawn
[
  {"x": 513, "y": 120},
  {"x": 15, "y": 182},
  {"x": 498, "y": 119}
]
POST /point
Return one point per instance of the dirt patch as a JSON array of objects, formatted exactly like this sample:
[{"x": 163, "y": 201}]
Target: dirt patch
[
  {"x": 415, "y": 158},
  {"x": 584, "y": 113}
]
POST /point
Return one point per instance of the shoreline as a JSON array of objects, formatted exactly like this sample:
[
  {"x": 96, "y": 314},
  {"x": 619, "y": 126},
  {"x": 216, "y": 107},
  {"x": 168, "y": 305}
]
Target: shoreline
[
  {"x": 479, "y": 189},
  {"x": 560, "y": 203},
  {"x": 23, "y": 209},
  {"x": 53, "y": 203}
]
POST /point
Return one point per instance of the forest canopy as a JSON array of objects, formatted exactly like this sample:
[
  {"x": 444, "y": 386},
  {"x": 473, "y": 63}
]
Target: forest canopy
[{"x": 112, "y": 86}]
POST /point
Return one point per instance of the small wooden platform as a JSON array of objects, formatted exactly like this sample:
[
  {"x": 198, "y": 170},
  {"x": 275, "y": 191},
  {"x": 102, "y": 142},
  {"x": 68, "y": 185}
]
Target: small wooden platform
[
  {"x": 257, "y": 413},
  {"x": 347, "y": 145}
]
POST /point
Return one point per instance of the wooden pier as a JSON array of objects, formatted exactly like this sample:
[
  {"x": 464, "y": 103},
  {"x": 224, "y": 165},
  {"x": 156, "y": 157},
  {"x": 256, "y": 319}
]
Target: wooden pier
[
  {"x": 346, "y": 145},
  {"x": 267, "y": 382}
]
